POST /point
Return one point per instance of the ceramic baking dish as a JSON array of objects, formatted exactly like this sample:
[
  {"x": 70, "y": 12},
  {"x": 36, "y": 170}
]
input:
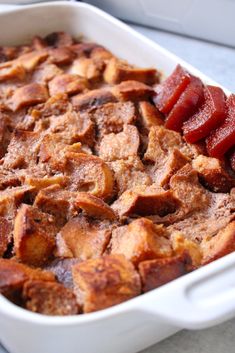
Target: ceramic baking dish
[{"x": 197, "y": 300}]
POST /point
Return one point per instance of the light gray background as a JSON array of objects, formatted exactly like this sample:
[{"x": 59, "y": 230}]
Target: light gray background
[{"x": 218, "y": 62}]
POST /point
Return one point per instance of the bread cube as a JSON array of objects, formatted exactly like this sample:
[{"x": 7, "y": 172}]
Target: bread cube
[
  {"x": 213, "y": 174},
  {"x": 93, "y": 99},
  {"x": 83, "y": 238},
  {"x": 117, "y": 71},
  {"x": 146, "y": 201},
  {"x": 57, "y": 202},
  {"x": 219, "y": 245},
  {"x": 30, "y": 94},
  {"x": 140, "y": 240},
  {"x": 22, "y": 152},
  {"x": 34, "y": 235},
  {"x": 104, "y": 282},
  {"x": 133, "y": 91},
  {"x": 120, "y": 146},
  {"x": 67, "y": 83},
  {"x": 49, "y": 298},
  {"x": 90, "y": 174},
  {"x": 13, "y": 275},
  {"x": 94, "y": 207},
  {"x": 155, "y": 273}
]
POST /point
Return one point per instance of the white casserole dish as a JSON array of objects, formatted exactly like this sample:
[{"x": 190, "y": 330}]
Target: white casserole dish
[{"x": 197, "y": 300}]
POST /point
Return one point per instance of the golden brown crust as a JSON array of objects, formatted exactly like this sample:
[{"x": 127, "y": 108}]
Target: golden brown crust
[
  {"x": 140, "y": 240},
  {"x": 34, "y": 235},
  {"x": 146, "y": 201},
  {"x": 30, "y": 94},
  {"x": 13, "y": 275},
  {"x": 94, "y": 207},
  {"x": 104, "y": 282},
  {"x": 155, "y": 273},
  {"x": 67, "y": 83},
  {"x": 117, "y": 71},
  {"x": 213, "y": 174},
  {"x": 133, "y": 91},
  {"x": 149, "y": 116}
]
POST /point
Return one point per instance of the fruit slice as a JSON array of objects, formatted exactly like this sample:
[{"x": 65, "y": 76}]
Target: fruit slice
[
  {"x": 186, "y": 106},
  {"x": 170, "y": 90},
  {"x": 222, "y": 139},
  {"x": 211, "y": 115}
]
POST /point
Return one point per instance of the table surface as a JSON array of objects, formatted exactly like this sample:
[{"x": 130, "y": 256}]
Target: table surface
[{"x": 218, "y": 62}]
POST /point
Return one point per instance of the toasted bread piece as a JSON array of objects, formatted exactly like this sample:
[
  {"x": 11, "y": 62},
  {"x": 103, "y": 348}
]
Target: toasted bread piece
[
  {"x": 13, "y": 275},
  {"x": 11, "y": 70},
  {"x": 31, "y": 60},
  {"x": 5, "y": 235},
  {"x": 61, "y": 56},
  {"x": 133, "y": 91},
  {"x": 56, "y": 105},
  {"x": 57, "y": 202},
  {"x": 23, "y": 150},
  {"x": 161, "y": 141},
  {"x": 34, "y": 235},
  {"x": 120, "y": 146},
  {"x": 53, "y": 151},
  {"x": 213, "y": 174},
  {"x": 30, "y": 94},
  {"x": 149, "y": 116},
  {"x": 104, "y": 282},
  {"x": 155, "y": 273},
  {"x": 93, "y": 99},
  {"x": 181, "y": 244},
  {"x": 49, "y": 298},
  {"x": 9, "y": 178},
  {"x": 112, "y": 117},
  {"x": 87, "y": 68},
  {"x": 73, "y": 127},
  {"x": 90, "y": 174},
  {"x": 220, "y": 245},
  {"x": 84, "y": 238},
  {"x": 187, "y": 189},
  {"x": 67, "y": 83},
  {"x": 129, "y": 174},
  {"x": 140, "y": 240},
  {"x": 45, "y": 72},
  {"x": 100, "y": 53},
  {"x": 94, "y": 207},
  {"x": 149, "y": 200},
  {"x": 117, "y": 71},
  {"x": 43, "y": 182},
  {"x": 11, "y": 198},
  {"x": 164, "y": 168}
]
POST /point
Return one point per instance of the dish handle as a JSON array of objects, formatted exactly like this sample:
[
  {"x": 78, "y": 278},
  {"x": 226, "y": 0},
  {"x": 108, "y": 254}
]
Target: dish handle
[{"x": 198, "y": 300}]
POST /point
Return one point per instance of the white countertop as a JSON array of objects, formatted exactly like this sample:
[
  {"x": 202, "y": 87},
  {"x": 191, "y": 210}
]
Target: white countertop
[{"x": 218, "y": 62}]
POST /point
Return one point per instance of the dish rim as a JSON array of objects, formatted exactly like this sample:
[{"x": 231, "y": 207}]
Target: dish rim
[{"x": 10, "y": 309}]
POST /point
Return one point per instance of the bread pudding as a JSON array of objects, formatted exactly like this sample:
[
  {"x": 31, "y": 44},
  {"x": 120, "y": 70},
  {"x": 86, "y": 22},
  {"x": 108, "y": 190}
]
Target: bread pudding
[{"x": 113, "y": 181}]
